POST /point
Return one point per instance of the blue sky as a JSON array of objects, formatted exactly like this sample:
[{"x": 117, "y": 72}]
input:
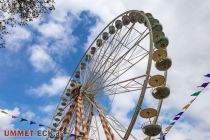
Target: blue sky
[
  {"x": 19, "y": 76},
  {"x": 39, "y": 58}
]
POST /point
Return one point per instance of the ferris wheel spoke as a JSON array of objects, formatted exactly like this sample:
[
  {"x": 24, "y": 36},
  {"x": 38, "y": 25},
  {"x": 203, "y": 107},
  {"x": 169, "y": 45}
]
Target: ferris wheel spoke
[
  {"x": 122, "y": 69},
  {"x": 108, "y": 70},
  {"x": 120, "y": 49},
  {"x": 136, "y": 29},
  {"x": 119, "y": 59},
  {"x": 106, "y": 48},
  {"x": 97, "y": 126},
  {"x": 132, "y": 40},
  {"x": 125, "y": 70},
  {"x": 118, "y": 86},
  {"x": 118, "y": 124},
  {"x": 113, "y": 122},
  {"x": 118, "y": 45},
  {"x": 100, "y": 110},
  {"x": 121, "y": 82},
  {"x": 116, "y": 93}
]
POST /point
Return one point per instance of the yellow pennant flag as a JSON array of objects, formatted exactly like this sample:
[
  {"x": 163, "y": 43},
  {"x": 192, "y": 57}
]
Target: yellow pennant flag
[
  {"x": 186, "y": 106},
  {"x": 3, "y": 112}
]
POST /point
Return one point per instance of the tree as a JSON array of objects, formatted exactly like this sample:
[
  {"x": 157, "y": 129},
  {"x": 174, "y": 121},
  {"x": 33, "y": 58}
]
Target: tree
[{"x": 20, "y": 12}]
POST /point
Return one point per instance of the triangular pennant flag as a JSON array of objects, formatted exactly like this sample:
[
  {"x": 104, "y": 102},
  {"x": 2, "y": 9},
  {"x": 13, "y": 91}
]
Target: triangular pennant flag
[
  {"x": 168, "y": 128},
  {"x": 192, "y": 100},
  {"x": 2, "y": 111},
  {"x": 65, "y": 132},
  {"x": 72, "y": 135},
  {"x": 163, "y": 137},
  {"x": 31, "y": 122},
  {"x": 196, "y": 93},
  {"x": 176, "y": 118},
  {"x": 207, "y": 75},
  {"x": 179, "y": 114},
  {"x": 14, "y": 116},
  {"x": 22, "y": 119},
  {"x": 204, "y": 85},
  {"x": 186, "y": 106},
  {"x": 41, "y": 125},
  {"x": 172, "y": 123}
]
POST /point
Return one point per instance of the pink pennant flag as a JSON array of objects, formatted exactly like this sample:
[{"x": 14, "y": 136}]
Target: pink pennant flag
[
  {"x": 168, "y": 128},
  {"x": 14, "y": 117},
  {"x": 192, "y": 100}
]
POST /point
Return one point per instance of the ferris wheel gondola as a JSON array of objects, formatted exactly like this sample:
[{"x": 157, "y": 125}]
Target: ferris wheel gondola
[{"x": 119, "y": 62}]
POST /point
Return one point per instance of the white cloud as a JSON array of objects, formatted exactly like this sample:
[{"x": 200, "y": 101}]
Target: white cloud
[
  {"x": 14, "y": 40},
  {"x": 40, "y": 59},
  {"x": 6, "y": 121},
  {"x": 54, "y": 87},
  {"x": 48, "y": 108},
  {"x": 51, "y": 29},
  {"x": 28, "y": 115},
  {"x": 188, "y": 49},
  {"x": 186, "y": 25}
]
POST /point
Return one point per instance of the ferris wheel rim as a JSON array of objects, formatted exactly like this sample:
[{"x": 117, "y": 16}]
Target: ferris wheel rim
[
  {"x": 77, "y": 66},
  {"x": 148, "y": 69}
]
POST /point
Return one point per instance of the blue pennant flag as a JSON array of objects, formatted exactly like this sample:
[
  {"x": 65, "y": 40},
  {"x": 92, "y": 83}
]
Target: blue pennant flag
[
  {"x": 176, "y": 118},
  {"x": 41, "y": 125},
  {"x": 163, "y": 137},
  {"x": 207, "y": 75},
  {"x": 179, "y": 114},
  {"x": 31, "y": 122},
  {"x": 23, "y": 120}
]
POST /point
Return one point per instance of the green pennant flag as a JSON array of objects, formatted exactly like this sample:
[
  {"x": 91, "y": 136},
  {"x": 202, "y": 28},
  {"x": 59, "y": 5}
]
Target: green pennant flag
[
  {"x": 65, "y": 132},
  {"x": 196, "y": 93},
  {"x": 172, "y": 123},
  {"x": 23, "y": 120}
]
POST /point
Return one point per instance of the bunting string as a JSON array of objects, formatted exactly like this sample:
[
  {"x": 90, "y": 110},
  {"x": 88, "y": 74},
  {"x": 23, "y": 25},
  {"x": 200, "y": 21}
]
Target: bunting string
[
  {"x": 185, "y": 107},
  {"x": 21, "y": 119}
]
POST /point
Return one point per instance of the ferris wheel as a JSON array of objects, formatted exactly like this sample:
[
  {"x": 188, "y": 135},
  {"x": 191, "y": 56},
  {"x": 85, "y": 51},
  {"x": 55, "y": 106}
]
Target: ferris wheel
[{"x": 127, "y": 59}]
